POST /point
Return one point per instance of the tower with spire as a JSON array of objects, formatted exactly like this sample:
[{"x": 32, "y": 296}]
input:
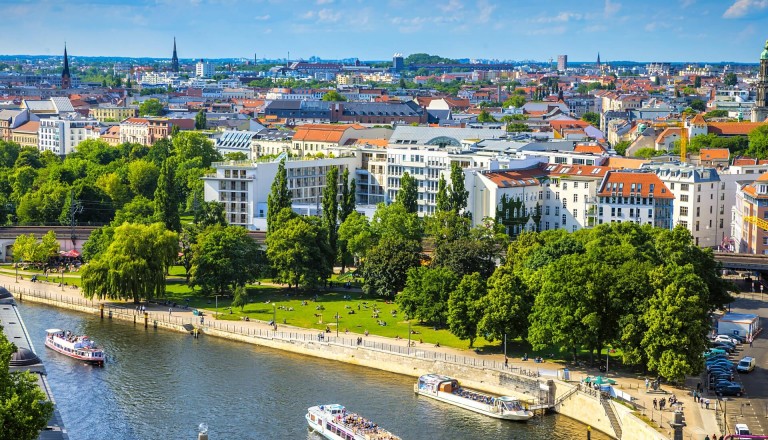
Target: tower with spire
[
  {"x": 760, "y": 110},
  {"x": 598, "y": 61},
  {"x": 66, "y": 78},
  {"x": 174, "y": 58}
]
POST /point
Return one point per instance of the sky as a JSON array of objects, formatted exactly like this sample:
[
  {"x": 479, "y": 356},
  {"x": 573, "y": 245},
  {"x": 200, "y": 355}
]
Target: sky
[{"x": 636, "y": 30}]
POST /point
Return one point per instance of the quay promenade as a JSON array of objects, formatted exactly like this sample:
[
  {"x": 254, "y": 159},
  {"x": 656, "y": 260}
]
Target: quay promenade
[{"x": 699, "y": 421}]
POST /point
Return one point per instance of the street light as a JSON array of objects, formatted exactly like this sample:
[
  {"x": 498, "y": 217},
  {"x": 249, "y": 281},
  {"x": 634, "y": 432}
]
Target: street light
[
  {"x": 607, "y": 353},
  {"x": 337, "y": 324},
  {"x": 61, "y": 283},
  {"x": 17, "y": 271},
  {"x": 274, "y": 315},
  {"x": 409, "y": 333},
  {"x": 217, "y": 306}
]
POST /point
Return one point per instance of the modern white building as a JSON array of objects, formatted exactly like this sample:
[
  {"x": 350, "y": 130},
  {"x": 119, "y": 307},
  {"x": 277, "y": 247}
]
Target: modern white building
[
  {"x": 204, "y": 69},
  {"x": 61, "y": 134},
  {"x": 243, "y": 186}
]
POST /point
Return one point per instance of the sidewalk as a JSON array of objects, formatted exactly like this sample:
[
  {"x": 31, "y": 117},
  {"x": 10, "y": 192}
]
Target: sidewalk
[{"x": 699, "y": 421}]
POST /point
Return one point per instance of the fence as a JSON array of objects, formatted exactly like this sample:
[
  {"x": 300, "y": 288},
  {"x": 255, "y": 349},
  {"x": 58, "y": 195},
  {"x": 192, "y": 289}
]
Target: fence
[{"x": 520, "y": 377}]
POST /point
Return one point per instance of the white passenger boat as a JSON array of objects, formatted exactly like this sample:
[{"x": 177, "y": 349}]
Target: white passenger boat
[
  {"x": 447, "y": 390},
  {"x": 335, "y": 423},
  {"x": 78, "y": 347}
]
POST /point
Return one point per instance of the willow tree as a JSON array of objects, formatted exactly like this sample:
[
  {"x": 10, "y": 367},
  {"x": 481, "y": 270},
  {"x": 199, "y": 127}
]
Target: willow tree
[{"x": 134, "y": 264}]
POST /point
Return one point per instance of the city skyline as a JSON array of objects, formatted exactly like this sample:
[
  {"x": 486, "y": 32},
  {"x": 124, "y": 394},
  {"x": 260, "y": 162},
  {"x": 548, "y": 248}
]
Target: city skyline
[{"x": 683, "y": 30}]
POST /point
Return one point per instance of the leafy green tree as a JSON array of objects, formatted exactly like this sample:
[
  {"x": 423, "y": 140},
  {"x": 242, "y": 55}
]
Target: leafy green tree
[
  {"x": 475, "y": 250},
  {"x": 518, "y": 127},
  {"x": 717, "y": 113},
  {"x": 151, "y": 107},
  {"x": 677, "y": 323},
  {"x": 279, "y": 198},
  {"x": 443, "y": 200},
  {"x": 386, "y": 265},
  {"x": 355, "y": 232},
  {"x": 331, "y": 208},
  {"x": 210, "y": 214},
  {"x": 114, "y": 186},
  {"x": 758, "y": 142},
  {"x": 28, "y": 156},
  {"x": 47, "y": 248},
  {"x": 160, "y": 151},
  {"x": 647, "y": 153},
  {"x": 621, "y": 147},
  {"x": 189, "y": 145},
  {"x": 166, "y": 197},
  {"x": 506, "y": 307},
  {"x": 515, "y": 101},
  {"x": 24, "y": 248},
  {"x": 459, "y": 193},
  {"x": 240, "y": 297},
  {"x": 347, "y": 196},
  {"x": 225, "y": 257},
  {"x": 698, "y": 105},
  {"x": 408, "y": 194},
  {"x": 201, "y": 120},
  {"x": 426, "y": 292},
  {"x": 730, "y": 79},
  {"x": 484, "y": 117},
  {"x": 465, "y": 307},
  {"x": 139, "y": 210},
  {"x": 98, "y": 242},
  {"x": 697, "y": 81},
  {"x": 42, "y": 206},
  {"x": 298, "y": 250},
  {"x": 235, "y": 156},
  {"x": 591, "y": 117},
  {"x": 142, "y": 178},
  {"x": 334, "y": 96},
  {"x": 9, "y": 152},
  {"x": 129, "y": 268},
  {"x": 393, "y": 220},
  {"x": 24, "y": 410}
]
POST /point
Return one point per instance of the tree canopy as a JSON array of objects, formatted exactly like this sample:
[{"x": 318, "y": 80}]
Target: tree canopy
[{"x": 151, "y": 107}]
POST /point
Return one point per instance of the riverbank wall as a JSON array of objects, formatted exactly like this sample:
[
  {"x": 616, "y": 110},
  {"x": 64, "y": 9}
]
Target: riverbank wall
[{"x": 484, "y": 375}]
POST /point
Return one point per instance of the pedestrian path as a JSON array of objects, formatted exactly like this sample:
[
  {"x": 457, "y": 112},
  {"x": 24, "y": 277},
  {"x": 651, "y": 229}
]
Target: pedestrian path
[{"x": 699, "y": 421}]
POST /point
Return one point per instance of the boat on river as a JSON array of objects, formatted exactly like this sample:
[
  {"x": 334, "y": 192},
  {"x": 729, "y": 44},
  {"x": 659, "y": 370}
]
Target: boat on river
[
  {"x": 446, "y": 389},
  {"x": 334, "y": 422},
  {"x": 77, "y": 347}
]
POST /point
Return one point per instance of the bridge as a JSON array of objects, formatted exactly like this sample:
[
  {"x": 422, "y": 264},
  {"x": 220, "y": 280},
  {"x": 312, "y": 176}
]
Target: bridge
[{"x": 753, "y": 262}]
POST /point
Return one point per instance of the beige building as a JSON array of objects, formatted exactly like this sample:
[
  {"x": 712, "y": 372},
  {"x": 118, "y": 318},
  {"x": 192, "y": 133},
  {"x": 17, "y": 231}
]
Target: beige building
[
  {"x": 113, "y": 113},
  {"x": 27, "y": 134}
]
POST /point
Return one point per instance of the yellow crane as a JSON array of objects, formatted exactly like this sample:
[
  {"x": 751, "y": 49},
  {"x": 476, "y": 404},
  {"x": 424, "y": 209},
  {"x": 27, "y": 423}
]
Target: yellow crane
[{"x": 757, "y": 221}]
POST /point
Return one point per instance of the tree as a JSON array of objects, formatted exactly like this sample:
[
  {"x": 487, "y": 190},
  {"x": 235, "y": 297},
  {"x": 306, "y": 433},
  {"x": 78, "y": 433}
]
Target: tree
[
  {"x": 347, "y": 196},
  {"x": 386, "y": 265},
  {"x": 591, "y": 117},
  {"x": 331, "y": 208},
  {"x": 142, "y": 178},
  {"x": 465, "y": 307},
  {"x": 279, "y": 198},
  {"x": 506, "y": 306},
  {"x": 730, "y": 79},
  {"x": 190, "y": 145},
  {"x": 298, "y": 250},
  {"x": 621, "y": 147},
  {"x": 698, "y": 105},
  {"x": 408, "y": 194},
  {"x": 697, "y": 81},
  {"x": 426, "y": 292},
  {"x": 484, "y": 117},
  {"x": 647, "y": 153},
  {"x": 758, "y": 142},
  {"x": 201, "y": 120},
  {"x": 209, "y": 214},
  {"x": 24, "y": 248},
  {"x": 515, "y": 101},
  {"x": 717, "y": 113},
  {"x": 129, "y": 268},
  {"x": 24, "y": 410},
  {"x": 166, "y": 197},
  {"x": 518, "y": 127},
  {"x": 355, "y": 232},
  {"x": 235, "y": 156},
  {"x": 225, "y": 257},
  {"x": 98, "y": 242},
  {"x": 117, "y": 190},
  {"x": 240, "y": 297},
  {"x": 151, "y": 107},
  {"x": 47, "y": 248},
  {"x": 334, "y": 96},
  {"x": 394, "y": 221},
  {"x": 458, "y": 194},
  {"x": 139, "y": 210},
  {"x": 443, "y": 201}
]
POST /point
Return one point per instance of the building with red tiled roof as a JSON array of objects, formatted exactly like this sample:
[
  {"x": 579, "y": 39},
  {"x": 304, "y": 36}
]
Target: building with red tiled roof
[
  {"x": 640, "y": 197},
  {"x": 112, "y": 135},
  {"x": 714, "y": 157},
  {"x": 589, "y": 148},
  {"x": 732, "y": 128},
  {"x": 26, "y": 135}
]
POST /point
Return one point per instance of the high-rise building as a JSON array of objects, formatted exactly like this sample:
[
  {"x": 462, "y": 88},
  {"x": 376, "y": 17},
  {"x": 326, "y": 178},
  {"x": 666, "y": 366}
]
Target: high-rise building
[
  {"x": 398, "y": 62},
  {"x": 562, "y": 63},
  {"x": 174, "y": 58},
  {"x": 66, "y": 78},
  {"x": 204, "y": 69},
  {"x": 760, "y": 110}
]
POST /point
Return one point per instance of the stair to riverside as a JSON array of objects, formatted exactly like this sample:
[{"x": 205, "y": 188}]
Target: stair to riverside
[{"x": 611, "y": 416}]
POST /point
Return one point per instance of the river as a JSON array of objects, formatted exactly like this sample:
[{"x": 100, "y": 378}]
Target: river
[{"x": 158, "y": 384}]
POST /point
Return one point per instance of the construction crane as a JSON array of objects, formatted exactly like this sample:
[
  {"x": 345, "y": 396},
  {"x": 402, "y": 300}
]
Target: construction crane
[
  {"x": 757, "y": 221},
  {"x": 683, "y": 141}
]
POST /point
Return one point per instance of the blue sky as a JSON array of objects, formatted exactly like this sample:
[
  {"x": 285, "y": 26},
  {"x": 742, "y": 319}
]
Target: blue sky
[{"x": 640, "y": 30}]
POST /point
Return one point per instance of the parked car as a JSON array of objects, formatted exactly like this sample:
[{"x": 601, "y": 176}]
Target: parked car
[
  {"x": 729, "y": 389},
  {"x": 728, "y": 348},
  {"x": 746, "y": 364},
  {"x": 720, "y": 363},
  {"x": 714, "y": 352},
  {"x": 727, "y": 338},
  {"x": 741, "y": 429}
]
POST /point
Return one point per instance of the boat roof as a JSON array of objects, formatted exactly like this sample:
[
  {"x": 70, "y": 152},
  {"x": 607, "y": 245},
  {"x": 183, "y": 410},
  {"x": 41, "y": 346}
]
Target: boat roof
[
  {"x": 508, "y": 399},
  {"x": 331, "y": 407},
  {"x": 54, "y": 330},
  {"x": 432, "y": 378}
]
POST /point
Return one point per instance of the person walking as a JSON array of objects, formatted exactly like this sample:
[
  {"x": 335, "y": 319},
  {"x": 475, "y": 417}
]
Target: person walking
[
  {"x": 647, "y": 384},
  {"x": 655, "y": 403},
  {"x": 706, "y": 437},
  {"x": 169, "y": 311}
]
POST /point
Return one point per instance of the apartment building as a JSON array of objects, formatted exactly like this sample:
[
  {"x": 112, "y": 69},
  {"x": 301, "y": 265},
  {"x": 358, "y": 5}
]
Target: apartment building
[
  {"x": 61, "y": 134},
  {"x": 113, "y": 113},
  {"x": 27, "y": 135},
  {"x": 243, "y": 186},
  {"x": 637, "y": 196},
  {"x": 749, "y": 212}
]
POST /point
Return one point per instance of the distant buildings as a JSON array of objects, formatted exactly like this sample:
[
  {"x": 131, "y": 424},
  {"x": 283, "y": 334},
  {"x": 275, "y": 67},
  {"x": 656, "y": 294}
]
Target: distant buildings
[
  {"x": 174, "y": 58},
  {"x": 760, "y": 111},
  {"x": 66, "y": 77},
  {"x": 204, "y": 69},
  {"x": 562, "y": 63},
  {"x": 61, "y": 134}
]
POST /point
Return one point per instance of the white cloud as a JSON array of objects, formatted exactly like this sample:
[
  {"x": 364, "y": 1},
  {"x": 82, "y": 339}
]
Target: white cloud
[
  {"x": 686, "y": 3},
  {"x": 611, "y": 8},
  {"x": 562, "y": 17},
  {"x": 656, "y": 25},
  {"x": 328, "y": 15},
  {"x": 740, "y": 8},
  {"x": 262, "y": 17},
  {"x": 554, "y": 30},
  {"x": 308, "y": 15},
  {"x": 451, "y": 6},
  {"x": 485, "y": 9}
]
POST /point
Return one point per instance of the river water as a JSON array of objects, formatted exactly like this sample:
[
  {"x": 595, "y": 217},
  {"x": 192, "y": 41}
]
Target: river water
[{"x": 158, "y": 384}]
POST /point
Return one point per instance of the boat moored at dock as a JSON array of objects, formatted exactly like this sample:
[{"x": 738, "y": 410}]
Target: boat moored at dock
[
  {"x": 334, "y": 422},
  {"x": 446, "y": 389},
  {"x": 77, "y": 347}
]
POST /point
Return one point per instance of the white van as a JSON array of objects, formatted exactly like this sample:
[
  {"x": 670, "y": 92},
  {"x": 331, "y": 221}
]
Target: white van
[
  {"x": 741, "y": 429},
  {"x": 746, "y": 364}
]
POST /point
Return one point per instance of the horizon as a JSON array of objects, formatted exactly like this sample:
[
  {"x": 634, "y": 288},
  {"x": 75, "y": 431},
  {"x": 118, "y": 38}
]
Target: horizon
[{"x": 707, "y": 30}]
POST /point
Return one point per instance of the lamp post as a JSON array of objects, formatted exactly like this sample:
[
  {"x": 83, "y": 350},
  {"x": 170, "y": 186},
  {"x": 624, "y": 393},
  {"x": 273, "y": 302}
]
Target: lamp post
[
  {"x": 409, "y": 333},
  {"x": 607, "y": 353},
  {"x": 17, "y": 271},
  {"x": 337, "y": 324},
  {"x": 274, "y": 315},
  {"x": 217, "y": 306}
]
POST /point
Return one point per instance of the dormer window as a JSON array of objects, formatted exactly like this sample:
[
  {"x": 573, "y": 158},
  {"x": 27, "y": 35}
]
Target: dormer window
[{"x": 762, "y": 189}]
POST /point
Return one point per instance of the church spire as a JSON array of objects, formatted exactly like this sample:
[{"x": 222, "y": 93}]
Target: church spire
[
  {"x": 66, "y": 78},
  {"x": 598, "y": 61},
  {"x": 175, "y": 58}
]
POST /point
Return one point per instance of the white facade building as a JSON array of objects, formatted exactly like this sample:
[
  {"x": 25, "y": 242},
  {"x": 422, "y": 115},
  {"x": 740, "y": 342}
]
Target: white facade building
[
  {"x": 61, "y": 134},
  {"x": 204, "y": 69}
]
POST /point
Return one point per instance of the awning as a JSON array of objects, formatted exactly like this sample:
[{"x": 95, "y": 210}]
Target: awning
[{"x": 72, "y": 254}]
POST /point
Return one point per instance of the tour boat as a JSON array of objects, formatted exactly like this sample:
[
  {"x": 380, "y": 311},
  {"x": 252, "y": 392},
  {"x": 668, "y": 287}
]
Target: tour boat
[
  {"x": 78, "y": 347},
  {"x": 335, "y": 423},
  {"x": 446, "y": 389}
]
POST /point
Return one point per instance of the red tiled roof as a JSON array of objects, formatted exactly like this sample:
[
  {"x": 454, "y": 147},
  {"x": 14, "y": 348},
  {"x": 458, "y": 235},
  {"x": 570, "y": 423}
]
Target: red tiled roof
[
  {"x": 516, "y": 178},
  {"x": 594, "y": 149},
  {"x": 620, "y": 183},
  {"x": 669, "y": 131},
  {"x": 733, "y": 128},
  {"x": 715, "y": 154},
  {"x": 29, "y": 127},
  {"x": 577, "y": 170},
  {"x": 321, "y": 132}
]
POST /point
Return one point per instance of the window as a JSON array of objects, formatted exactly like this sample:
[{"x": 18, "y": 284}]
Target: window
[
  {"x": 650, "y": 213},
  {"x": 549, "y": 194},
  {"x": 546, "y": 226},
  {"x": 613, "y": 211},
  {"x": 546, "y": 210},
  {"x": 721, "y": 223},
  {"x": 575, "y": 184},
  {"x": 683, "y": 187},
  {"x": 557, "y": 210},
  {"x": 684, "y": 224},
  {"x": 684, "y": 197},
  {"x": 618, "y": 212},
  {"x": 564, "y": 219},
  {"x": 565, "y": 203},
  {"x": 557, "y": 195},
  {"x": 565, "y": 185},
  {"x": 683, "y": 210},
  {"x": 575, "y": 213},
  {"x": 698, "y": 211},
  {"x": 575, "y": 197}
]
